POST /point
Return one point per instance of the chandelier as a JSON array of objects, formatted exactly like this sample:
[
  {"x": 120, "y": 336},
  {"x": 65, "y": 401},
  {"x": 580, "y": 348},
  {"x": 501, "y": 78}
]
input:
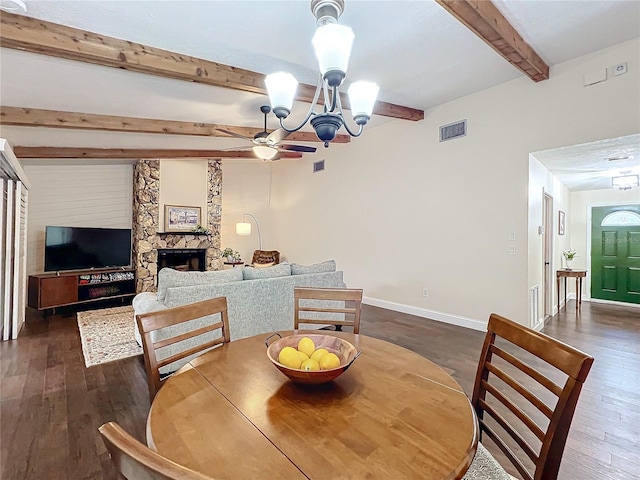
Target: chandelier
[{"x": 332, "y": 44}]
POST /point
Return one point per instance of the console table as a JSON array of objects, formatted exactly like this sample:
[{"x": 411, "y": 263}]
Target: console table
[{"x": 564, "y": 274}]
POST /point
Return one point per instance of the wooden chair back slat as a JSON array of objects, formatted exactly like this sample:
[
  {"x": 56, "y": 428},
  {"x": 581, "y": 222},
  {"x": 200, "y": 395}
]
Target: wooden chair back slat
[
  {"x": 135, "y": 461},
  {"x": 190, "y": 351},
  {"x": 185, "y": 336},
  {"x": 557, "y": 356},
  {"x": 328, "y": 310},
  {"x": 507, "y": 451},
  {"x": 564, "y": 357},
  {"x": 351, "y": 295},
  {"x": 518, "y": 387},
  {"x": 512, "y": 433},
  {"x": 154, "y": 321},
  {"x": 532, "y": 372},
  {"x": 165, "y": 318},
  {"x": 513, "y": 408}
]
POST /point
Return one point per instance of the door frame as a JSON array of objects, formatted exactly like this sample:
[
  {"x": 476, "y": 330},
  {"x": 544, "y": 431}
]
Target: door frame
[
  {"x": 548, "y": 303},
  {"x": 587, "y": 287}
]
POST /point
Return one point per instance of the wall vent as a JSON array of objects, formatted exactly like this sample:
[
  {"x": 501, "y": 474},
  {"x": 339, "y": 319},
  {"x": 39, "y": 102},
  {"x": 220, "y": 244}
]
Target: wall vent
[
  {"x": 318, "y": 166},
  {"x": 453, "y": 130}
]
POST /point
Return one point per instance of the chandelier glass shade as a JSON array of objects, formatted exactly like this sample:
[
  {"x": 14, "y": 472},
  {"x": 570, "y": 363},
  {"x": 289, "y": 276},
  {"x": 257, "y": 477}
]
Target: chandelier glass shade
[{"x": 332, "y": 44}]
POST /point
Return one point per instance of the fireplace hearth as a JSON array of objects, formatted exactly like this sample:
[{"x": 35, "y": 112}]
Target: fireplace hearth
[{"x": 183, "y": 259}]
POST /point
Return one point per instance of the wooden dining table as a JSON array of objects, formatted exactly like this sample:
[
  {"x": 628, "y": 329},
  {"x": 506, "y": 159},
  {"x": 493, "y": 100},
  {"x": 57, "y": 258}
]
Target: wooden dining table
[{"x": 230, "y": 414}]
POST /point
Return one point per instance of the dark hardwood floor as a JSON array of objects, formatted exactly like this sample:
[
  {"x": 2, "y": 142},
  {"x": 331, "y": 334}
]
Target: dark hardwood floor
[{"x": 51, "y": 405}]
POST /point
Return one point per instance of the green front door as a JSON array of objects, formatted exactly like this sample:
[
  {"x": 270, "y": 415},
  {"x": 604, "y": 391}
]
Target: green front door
[{"x": 615, "y": 253}]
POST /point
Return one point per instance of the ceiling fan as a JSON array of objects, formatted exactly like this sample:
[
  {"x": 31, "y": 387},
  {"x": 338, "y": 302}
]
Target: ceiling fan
[{"x": 267, "y": 145}]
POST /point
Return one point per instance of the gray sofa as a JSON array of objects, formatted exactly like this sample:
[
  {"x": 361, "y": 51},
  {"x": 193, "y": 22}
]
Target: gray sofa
[{"x": 260, "y": 300}]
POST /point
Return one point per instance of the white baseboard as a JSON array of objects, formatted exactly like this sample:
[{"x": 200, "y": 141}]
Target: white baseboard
[{"x": 430, "y": 314}]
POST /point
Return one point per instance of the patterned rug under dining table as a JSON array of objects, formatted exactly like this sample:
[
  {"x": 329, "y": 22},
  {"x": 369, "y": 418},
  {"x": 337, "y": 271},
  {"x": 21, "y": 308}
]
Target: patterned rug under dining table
[{"x": 394, "y": 414}]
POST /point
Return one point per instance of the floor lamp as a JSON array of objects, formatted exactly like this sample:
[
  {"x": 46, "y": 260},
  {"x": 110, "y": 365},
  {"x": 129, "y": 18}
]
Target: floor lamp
[{"x": 244, "y": 228}]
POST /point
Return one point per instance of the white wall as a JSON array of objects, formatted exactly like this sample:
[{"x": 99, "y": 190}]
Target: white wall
[
  {"x": 79, "y": 195},
  {"x": 401, "y": 212},
  {"x": 183, "y": 183},
  {"x": 246, "y": 188}
]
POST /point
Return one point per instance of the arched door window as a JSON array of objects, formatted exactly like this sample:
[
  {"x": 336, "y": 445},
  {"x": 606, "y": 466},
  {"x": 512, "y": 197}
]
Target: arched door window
[{"x": 621, "y": 218}]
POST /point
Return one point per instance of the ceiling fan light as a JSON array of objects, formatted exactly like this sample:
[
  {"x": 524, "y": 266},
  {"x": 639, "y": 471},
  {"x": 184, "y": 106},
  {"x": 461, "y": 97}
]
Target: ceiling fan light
[
  {"x": 265, "y": 152},
  {"x": 624, "y": 182},
  {"x": 281, "y": 87},
  {"x": 362, "y": 98},
  {"x": 332, "y": 44}
]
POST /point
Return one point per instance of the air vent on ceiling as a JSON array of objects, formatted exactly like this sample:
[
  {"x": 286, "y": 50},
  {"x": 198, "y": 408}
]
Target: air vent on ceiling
[
  {"x": 318, "y": 166},
  {"x": 615, "y": 159},
  {"x": 453, "y": 130}
]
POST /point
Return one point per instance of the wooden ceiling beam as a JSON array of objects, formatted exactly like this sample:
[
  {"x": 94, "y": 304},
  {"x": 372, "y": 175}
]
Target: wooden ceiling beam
[
  {"x": 47, "y": 38},
  {"x": 484, "y": 19},
  {"x": 134, "y": 153},
  {"x": 35, "y": 117}
]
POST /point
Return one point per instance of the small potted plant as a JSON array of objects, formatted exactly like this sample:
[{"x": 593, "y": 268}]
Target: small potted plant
[
  {"x": 200, "y": 229},
  {"x": 568, "y": 258},
  {"x": 230, "y": 254}
]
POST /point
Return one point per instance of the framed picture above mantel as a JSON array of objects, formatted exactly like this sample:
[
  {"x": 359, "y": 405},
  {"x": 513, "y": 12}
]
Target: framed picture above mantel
[{"x": 180, "y": 219}]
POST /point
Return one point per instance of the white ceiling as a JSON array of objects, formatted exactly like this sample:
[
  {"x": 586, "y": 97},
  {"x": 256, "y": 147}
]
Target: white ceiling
[
  {"x": 590, "y": 166},
  {"x": 418, "y": 53}
]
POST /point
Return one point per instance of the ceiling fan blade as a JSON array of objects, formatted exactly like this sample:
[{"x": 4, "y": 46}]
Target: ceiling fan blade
[
  {"x": 277, "y": 135},
  {"x": 233, "y": 134},
  {"x": 298, "y": 148}
]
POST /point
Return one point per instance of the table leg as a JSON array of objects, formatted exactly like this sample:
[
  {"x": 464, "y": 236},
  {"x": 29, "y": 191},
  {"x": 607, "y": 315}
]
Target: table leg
[
  {"x": 578, "y": 292},
  {"x": 558, "y": 290},
  {"x": 565, "y": 292}
]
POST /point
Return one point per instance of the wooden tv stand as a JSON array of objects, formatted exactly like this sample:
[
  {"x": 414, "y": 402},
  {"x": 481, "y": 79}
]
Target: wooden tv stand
[{"x": 57, "y": 289}]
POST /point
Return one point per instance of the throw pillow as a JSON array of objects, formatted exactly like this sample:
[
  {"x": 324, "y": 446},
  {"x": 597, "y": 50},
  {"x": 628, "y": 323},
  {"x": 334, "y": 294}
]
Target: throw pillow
[
  {"x": 280, "y": 270},
  {"x": 322, "y": 267},
  {"x": 263, "y": 265},
  {"x": 168, "y": 277}
]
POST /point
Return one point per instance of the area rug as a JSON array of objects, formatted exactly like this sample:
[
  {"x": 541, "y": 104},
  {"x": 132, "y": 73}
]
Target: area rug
[{"x": 107, "y": 335}]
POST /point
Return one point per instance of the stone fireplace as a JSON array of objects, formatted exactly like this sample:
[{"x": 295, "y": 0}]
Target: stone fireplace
[{"x": 147, "y": 239}]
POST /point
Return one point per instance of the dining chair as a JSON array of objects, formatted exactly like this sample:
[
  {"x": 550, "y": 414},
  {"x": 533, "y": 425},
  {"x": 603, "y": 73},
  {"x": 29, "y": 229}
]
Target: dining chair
[
  {"x": 542, "y": 410},
  {"x": 177, "y": 334},
  {"x": 135, "y": 461},
  {"x": 265, "y": 258},
  {"x": 322, "y": 306}
]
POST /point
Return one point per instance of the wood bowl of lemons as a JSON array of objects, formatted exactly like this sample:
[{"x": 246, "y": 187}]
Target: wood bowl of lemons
[{"x": 311, "y": 358}]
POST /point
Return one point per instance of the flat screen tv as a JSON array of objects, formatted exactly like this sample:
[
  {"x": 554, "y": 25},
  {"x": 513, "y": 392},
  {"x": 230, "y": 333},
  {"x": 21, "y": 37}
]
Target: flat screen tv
[{"x": 82, "y": 248}]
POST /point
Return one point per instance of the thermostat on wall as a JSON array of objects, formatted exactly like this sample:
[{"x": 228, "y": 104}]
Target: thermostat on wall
[{"x": 620, "y": 69}]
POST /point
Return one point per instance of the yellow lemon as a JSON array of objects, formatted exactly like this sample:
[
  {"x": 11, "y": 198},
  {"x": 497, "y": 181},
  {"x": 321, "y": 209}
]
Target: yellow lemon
[
  {"x": 303, "y": 356},
  {"x": 306, "y": 346},
  {"x": 329, "y": 361},
  {"x": 319, "y": 353},
  {"x": 310, "y": 364},
  {"x": 289, "y": 357}
]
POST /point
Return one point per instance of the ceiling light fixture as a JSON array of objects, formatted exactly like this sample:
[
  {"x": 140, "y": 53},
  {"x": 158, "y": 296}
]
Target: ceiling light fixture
[
  {"x": 332, "y": 45},
  {"x": 624, "y": 182},
  {"x": 265, "y": 152},
  {"x": 13, "y": 6}
]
